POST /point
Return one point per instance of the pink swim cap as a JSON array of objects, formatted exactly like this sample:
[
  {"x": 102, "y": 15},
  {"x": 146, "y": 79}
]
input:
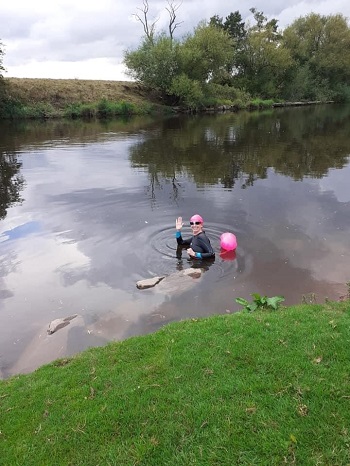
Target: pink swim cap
[{"x": 196, "y": 218}]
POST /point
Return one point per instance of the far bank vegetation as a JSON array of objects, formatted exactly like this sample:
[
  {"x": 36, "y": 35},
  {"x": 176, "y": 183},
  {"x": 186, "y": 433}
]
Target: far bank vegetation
[{"x": 231, "y": 62}]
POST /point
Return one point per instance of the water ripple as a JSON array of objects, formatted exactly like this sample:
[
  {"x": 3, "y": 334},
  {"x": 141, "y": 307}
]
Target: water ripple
[{"x": 164, "y": 252}]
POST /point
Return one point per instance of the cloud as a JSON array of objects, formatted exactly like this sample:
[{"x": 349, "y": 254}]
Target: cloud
[{"x": 55, "y": 39}]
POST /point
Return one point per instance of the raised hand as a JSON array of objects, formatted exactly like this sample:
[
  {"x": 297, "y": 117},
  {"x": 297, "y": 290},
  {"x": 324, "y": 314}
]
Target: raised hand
[{"x": 179, "y": 223}]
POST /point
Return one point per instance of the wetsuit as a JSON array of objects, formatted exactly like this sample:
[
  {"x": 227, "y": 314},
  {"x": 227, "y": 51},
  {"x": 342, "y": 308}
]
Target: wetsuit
[{"x": 199, "y": 243}]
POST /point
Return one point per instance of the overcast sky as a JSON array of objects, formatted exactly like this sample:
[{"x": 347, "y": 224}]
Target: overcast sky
[{"x": 86, "y": 39}]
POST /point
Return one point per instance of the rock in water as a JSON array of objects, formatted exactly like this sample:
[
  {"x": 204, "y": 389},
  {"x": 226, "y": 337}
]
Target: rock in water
[
  {"x": 148, "y": 282},
  {"x": 59, "y": 323},
  {"x": 180, "y": 281},
  {"x": 175, "y": 282}
]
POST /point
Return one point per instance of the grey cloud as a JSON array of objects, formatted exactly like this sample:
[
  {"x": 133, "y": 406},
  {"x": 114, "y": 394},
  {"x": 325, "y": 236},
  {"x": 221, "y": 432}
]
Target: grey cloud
[{"x": 75, "y": 33}]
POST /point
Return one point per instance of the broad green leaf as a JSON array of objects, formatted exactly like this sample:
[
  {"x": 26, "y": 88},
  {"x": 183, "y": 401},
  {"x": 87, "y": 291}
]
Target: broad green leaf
[
  {"x": 275, "y": 301},
  {"x": 252, "y": 307},
  {"x": 242, "y": 301}
]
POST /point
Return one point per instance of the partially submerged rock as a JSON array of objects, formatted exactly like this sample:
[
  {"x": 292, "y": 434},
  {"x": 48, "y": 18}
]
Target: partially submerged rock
[
  {"x": 179, "y": 282},
  {"x": 175, "y": 282},
  {"x": 57, "y": 324},
  {"x": 45, "y": 348},
  {"x": 148, "y": 282}
]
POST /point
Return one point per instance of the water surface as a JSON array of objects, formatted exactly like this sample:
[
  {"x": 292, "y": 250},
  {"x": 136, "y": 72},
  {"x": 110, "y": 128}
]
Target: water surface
[{"x": 89, "y": 208}]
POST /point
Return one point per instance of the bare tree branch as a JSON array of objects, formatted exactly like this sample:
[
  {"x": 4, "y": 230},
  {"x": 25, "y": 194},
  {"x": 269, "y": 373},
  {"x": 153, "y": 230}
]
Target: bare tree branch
[
  {"x": 172, "y": 9},
  {"x": 148, "y": 29}
]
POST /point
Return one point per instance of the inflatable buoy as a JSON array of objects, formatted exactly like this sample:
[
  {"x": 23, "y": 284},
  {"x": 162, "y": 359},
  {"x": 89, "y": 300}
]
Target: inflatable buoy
[{"x": 228, "y": 241}]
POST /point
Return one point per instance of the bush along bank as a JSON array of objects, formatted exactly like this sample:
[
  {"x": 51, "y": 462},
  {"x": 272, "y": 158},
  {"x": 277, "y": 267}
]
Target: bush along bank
[
  {"x": 263, "y": 388},
  {"x": 103, "y": 109}
]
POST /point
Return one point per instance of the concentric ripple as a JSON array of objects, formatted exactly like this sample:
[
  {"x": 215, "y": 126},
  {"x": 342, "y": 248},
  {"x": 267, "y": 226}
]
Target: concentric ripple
[{"x": 165, "y": 259}]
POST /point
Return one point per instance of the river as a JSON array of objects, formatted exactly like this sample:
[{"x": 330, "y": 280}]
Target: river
[{"x": 88, "y": 208}]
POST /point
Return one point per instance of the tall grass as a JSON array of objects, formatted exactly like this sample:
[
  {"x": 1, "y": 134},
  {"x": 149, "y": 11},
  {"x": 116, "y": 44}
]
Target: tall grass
[
  {"x": 52, "y": 98},
  {"x": 106, "y": 109}
]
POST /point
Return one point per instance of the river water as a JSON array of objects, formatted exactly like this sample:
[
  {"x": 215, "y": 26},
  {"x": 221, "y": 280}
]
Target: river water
[{"x": 88, "y": 208}]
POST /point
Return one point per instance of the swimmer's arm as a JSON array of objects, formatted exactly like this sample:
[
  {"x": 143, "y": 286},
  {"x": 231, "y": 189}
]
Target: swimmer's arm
[
  {"x": 181, "y": 241},
  {"x": 208, "y": 251},
  {"x": 205, "y": 255}
]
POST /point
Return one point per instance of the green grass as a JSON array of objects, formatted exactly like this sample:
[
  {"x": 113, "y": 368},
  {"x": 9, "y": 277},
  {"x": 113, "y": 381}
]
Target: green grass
[
  {"x": 103, "y": 109},
  {"x": 260, "y": 103},
  {"x": 56, "y": 98},
  {"x": 263, "y": 388},
  {"x": 106, "y": 109}
]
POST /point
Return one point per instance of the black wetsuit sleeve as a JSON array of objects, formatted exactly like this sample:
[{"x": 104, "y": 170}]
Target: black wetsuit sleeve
[{"x": 181, "y": 241}]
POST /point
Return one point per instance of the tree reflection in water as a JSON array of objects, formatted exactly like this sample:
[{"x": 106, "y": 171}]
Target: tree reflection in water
[
  {"x": 219, "y": 150},
  {"x": 11, "y": 182}
]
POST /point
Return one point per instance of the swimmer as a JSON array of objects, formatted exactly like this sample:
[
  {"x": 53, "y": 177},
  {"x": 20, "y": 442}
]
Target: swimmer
[{"x": 200, "y": 247}]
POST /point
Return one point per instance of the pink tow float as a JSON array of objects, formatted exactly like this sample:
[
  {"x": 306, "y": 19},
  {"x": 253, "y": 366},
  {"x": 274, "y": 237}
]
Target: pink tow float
[{"x": 228, "y": 241}]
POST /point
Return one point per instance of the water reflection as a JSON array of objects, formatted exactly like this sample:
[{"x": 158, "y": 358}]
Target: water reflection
[
  {"x": 221, "y": 149},
  {"x": 97, "y": 210},
  {"x": 11, "y": 181}
]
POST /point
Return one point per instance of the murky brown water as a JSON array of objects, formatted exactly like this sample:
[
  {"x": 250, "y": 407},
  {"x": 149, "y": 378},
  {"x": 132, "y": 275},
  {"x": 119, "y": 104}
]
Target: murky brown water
[{"x": 87, "y": 209}]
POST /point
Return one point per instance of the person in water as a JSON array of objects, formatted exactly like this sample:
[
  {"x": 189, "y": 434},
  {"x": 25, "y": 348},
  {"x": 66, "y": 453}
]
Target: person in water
[{"x": 200, "y": 247}]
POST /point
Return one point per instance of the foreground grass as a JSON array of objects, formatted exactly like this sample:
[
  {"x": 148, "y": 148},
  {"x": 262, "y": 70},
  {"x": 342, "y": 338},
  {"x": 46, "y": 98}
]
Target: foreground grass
[{"x": 245, "y": 389}]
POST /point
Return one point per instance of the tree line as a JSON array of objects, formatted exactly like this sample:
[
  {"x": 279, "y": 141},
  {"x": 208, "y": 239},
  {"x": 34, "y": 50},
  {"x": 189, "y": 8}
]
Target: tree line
[{"x": 228, "y": 60}]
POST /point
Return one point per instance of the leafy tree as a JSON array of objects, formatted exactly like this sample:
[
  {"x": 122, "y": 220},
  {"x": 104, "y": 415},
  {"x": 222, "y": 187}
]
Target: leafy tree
[
  {"x": 188, "y": 91},
  {"x": 233, "y": 24},
  {"x": 264, "y": 60},
  {"x": 216, "y": 21},
  {"x": 1, "y": 58},
  {"x": 2, "y": 81},
  {"x": 154, "y": 64},
  {"x": 181, "y": 70},
  {"x": 205, "y": 53},
  {"x": 259, "y": 62},
  {"x": 203, "y": 58},
  {"x": 319, "y": 46},
  {"x": 235, "y": 27}
]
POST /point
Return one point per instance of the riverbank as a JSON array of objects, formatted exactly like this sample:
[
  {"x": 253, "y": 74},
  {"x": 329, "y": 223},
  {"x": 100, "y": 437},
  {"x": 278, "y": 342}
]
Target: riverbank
[
  {"x": 73, "y": 98},
  {"x": 58, "y": 98},
  {"x": 265, "y": 388}
]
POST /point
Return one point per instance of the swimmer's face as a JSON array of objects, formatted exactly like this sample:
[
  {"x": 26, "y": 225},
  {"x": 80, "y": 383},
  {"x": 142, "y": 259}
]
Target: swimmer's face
[{"x": 196, "y": 227}]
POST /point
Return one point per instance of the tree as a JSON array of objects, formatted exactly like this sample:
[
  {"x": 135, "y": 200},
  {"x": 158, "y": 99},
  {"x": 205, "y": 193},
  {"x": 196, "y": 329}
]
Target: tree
[
  {"x": 319, "y": 46},
  {"x": 2, "y": 81},
  {"x": 154, "y": 64},
  {"x": 205, "y": 53},
  {"x": 235, "y": 27},
  {"x": 181, "y": 70},
  {"x": 2, "y": 53},
  {"x": 172, "y": 8},
  {"x": 264, "y": 59},
  {"x": 150, "y": 28}
]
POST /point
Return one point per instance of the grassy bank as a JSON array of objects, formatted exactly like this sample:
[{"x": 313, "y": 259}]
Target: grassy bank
[
  {"x": 74, "y": 98},
  {"x": 265, "y": 388},
  {"x": 55, "y": 98}
]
